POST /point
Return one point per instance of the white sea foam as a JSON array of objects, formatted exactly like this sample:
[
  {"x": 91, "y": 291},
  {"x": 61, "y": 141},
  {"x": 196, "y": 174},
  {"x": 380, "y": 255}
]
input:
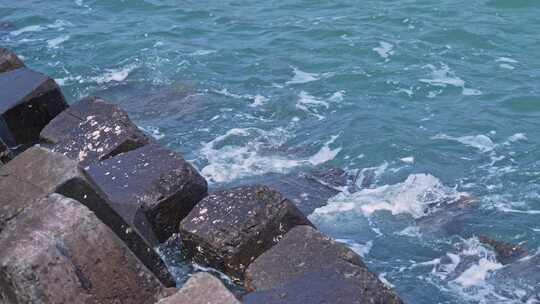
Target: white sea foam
[
  {"x": 258, "y": 100},
  {"x": 116, "y": 75},
  {"x": 243, "y": 152},
  {"x": 477, "y": 273},
  {"x": 302, "y": 77},
  {"x": 337, "y": 96},
  {"x": 480, "y": 142},
  {"x": 506, "y": 60},
  {"x": 56, "y": 42},
  {"x": 58, "y": 24},
  {"x": 155, "y": 132},
  {"x": 385, "y": 49},
  {"x": 411, "y": 231},
  {"x": 418, "y": 195},
  {"x": 361, "y": 249},
  {"x": 517, "y": 137},
  {"x": 311, "y": 104},
  {"x": 444, "y": 77},
  {"x": 203, "y": 52},
  {"x": 408, "y": 160}
]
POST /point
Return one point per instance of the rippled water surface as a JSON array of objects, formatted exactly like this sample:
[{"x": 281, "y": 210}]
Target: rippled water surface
[{"x": 429, "y": 100}]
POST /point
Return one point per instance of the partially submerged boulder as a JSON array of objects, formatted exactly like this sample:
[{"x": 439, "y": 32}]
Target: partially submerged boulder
[
  {"x": 202, "y": 288},
  {"x": 28, "y": 101},
  {"x": 58, "y": 251},
  {"x": 230, "y": 228},
  {"x": 506, "y": 253},
  {"x": 311, "y": 190},
  {"x": 91, "y": 130},
  {"x": 39, "y": 171},
  {"x": 340, "y": 283},
  {"x": 303, "y": 249},
  {"x": 9, "y": 60},
  {"x": 151, "y": 185}
]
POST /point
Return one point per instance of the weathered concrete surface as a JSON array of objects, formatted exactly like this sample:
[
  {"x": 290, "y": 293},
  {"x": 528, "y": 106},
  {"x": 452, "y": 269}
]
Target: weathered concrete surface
[
  {"x": 57, "y": 251},
  {"x": 506, "y": 253},
  {"x": 230, "y": 228},
  {"x": 310, "y": 190},
  {"x": 303, "y": 249},
  {"x": 9, "y": 61},
  {"x": 340, "y": 283},
  {"x": 152, "y": 183},
  {"x": 91, "y": 130},
  {"x": 202, "y": 288},
  {"x": 39, "y": 171},
  {"x": 28, "y": 101}
]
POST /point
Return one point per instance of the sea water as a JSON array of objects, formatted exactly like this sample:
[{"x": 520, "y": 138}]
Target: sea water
[{"x": 427, "y": 101}]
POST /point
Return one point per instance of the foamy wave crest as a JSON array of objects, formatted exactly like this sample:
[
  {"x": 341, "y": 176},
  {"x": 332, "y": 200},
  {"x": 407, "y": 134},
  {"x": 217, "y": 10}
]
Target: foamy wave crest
[
  {"x": 385, "y": 50},
  {"x": 56, "y": 42},
  {"x": 58, "y": 24},
  {"x": 480, "y": 142},
  {"x": 444, "y": 76},
  {"x": 418, "y": 195},
  {"x": 302, "y": 77},
  {"x": 243, "y": 152}
]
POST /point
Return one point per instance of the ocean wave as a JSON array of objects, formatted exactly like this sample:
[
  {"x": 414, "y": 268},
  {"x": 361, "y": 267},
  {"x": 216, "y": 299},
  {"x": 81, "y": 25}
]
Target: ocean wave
[
  {"x": 302, "y": 77},
  {"x": 56, "y": 42},
  {"x": 444, "y": 76},
  {"x": 385, "y": 50},
  {"x": 480, "y": 142}
]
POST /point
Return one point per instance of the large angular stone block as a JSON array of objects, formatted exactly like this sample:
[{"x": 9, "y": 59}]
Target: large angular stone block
[
  {"x": 57, "y": 251},
  {"x": 341, "y": 283},
  {"x": 202, "y": 288},
  {"x": 302, "y": 249},
  {"x": 28, "y": 101},
  {"x": 38, "y": 171},
  {"x": 9, "y": 61},
  {"x": 91, "y": 130},
  {"x": 151, "y": 184},
  {"x": 230, "y": 228}
]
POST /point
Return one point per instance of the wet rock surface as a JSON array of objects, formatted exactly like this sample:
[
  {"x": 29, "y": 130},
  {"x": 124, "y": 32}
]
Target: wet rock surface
[
  {"x": 506, "y": 253},
  {"x": 202, "y": 288},
  {"x": 8, "y": 60},
  {"x": 150, "y": 186},
  {"x": 28, "y": 101},
  {"x": 340, "y": 283},
  {"x": 91, "y": 130},
  {"x": 230, "y": 228},
  {"x": 303, "y": 249},
  {"x": 311, "y": 190},
  {"x": 5, "y": 153},
  {"x": 57, "y": 251}
]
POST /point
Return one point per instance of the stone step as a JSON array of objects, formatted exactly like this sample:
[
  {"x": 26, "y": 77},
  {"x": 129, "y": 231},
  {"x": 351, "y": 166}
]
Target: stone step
[
  {"x": 91, "y": 130},
  {"x": 228, "y": 229},
  {"x": 57, "y": 251},
  {"x": 28, "y": 101}
]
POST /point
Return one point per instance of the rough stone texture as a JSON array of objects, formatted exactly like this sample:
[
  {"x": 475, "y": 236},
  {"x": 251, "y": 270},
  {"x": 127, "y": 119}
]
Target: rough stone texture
[
  {"x": 5, "y": 153},
  {"x": 39, "y": 171},
  {"x": 230, "y": 228},
  {"x": 28, "y": 101},
  {"x": 506, "y": 252},
  {"x": 302, "y": 249},
  {"x": 91, "y": 130},
  {"x": 9, "y": 61},
  {"x": 57, "y": 251},
  {"x": 310, "y": 190},
  {"x": 152, "y": 183},
  {"x": 202, "y": 288},
  {"x": 340, "y": 283}
]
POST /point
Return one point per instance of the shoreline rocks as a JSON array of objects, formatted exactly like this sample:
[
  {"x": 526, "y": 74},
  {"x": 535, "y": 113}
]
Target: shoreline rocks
[
  {"x": 202, "y": 288},
  {"x": 228, "y": 229},
  {"x": 8, "y": 60}
]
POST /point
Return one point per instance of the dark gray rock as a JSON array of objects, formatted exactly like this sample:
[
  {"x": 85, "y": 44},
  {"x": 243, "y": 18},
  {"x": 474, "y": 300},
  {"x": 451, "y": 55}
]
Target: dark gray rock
[
  {"x": 91, "y": 130},
  {"x": 230, "y": 228},
  {"x": 310, "y": 190},
  {"x": 9, "y": 60},
  {"x": 506, "y": 253},
  {"x": 5, "y": 153},
  {"x": 150, "y": 185},
  {"x": 303, "y": 249},
  {"x": 28, "y": 101},
  {"x": 57, "y": 251},
  {"x": 39, "y": 171},
  {"x": 340, "y": 283},
  {"x": 202, "y": 288}
]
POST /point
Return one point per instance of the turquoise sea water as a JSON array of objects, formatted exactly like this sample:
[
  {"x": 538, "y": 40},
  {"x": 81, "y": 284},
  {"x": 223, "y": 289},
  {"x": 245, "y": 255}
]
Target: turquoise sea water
[{"x": 430, "y": 99}]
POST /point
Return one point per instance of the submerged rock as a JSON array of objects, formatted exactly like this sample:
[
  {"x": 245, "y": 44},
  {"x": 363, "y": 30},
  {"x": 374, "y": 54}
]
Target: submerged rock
[
  {"x": 39, "y": 171},
  {"x": 152, "y": 188},
  {"x": 311, "y": 190},
  {"x": 303, "y": 249},
  {"x": 91, "y": 130},
  {"x": 57, "y": 251},
  {"x": 9, "y": 60},
  {"x": 506, "y": 253},
  {"x": 339, "y": 283},
  {"x": 28, "y": 101},
  {"x": 202, "y": 288},
  {"x": 230, "y": 228}
]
